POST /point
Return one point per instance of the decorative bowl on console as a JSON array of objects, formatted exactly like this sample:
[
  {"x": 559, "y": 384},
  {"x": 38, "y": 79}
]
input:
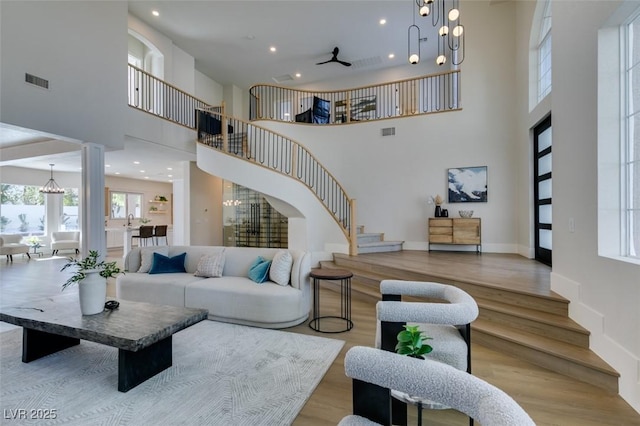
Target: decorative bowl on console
[{"x": 465, "y": 213}]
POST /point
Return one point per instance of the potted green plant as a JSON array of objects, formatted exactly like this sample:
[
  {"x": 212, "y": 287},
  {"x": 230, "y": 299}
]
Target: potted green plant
[
  {"x": 91, "y": 276},
  {"x": 411, "y": 342}
]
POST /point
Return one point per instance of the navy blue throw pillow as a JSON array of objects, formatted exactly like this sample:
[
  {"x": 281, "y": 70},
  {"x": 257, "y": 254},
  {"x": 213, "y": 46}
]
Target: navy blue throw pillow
[{"x": 167, "y": 265}]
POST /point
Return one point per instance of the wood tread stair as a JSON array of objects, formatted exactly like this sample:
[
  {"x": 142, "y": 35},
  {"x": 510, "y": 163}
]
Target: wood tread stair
[
  {"x": 375, "y": 242},
  {"x": 535, "y": 328}
]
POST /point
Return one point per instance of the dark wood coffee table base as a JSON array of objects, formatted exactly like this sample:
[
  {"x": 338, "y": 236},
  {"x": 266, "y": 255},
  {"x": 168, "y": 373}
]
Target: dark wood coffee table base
[
  {"x": 141, "y": 332},
  {"x": 133, "y": 367}
]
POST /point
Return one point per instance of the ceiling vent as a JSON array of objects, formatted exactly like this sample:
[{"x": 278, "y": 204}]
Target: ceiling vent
[
  {"x": 367, "y": 62},
  {"x": 282, "y": 78},
  {"x": 389, "y": 131},
  {"x": 36, "y": 81}
]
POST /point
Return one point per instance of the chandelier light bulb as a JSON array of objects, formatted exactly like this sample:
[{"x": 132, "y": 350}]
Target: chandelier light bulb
[
  {"x": 440, "y": 60},
  {"x": 457, "y": 30},
  {"x": 454, "y": 14},
  {"x": 443, "y": 31},
  {"x": 414, "y": 59},
  {"x": 424, "y": 10}
]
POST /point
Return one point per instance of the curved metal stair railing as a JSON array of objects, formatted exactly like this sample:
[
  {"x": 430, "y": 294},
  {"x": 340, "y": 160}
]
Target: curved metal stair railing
[{"x": 278, "y": 153}]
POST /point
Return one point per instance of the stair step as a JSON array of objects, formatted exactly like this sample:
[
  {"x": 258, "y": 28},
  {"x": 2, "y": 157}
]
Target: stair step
[
  {"x": 380, "y": 246},
  {"x": 564, "y": 358},
  {"x": 553, "y": 326},
  {"x": 366, "y": 267},
  {"x": 369, "y": 238}
]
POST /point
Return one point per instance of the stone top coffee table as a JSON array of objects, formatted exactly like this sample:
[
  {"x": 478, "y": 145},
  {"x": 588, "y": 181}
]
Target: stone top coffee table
[{"x": 142, "y": 332}]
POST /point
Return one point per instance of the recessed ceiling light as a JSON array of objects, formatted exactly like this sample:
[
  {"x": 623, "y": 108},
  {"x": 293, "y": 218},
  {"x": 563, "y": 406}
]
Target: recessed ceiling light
[
  {"x": 117, "y": 173},
  {"x": 169, "y": 168},
  {"x": 136, "y": 162},
  {"x": 298, "y": 75},
  {"x": 170, "y": 175},
  {"x": 391, "y": 55},
  {"x": 155, "y": 13},
  {"x": 146, "y": 177},
  {"x": 383, "y": 21},
  {"x": 170, "y": 180},
  {"x": 141, "y": 171},
  {"x": 272, "y": 48},
  {"x": 107, "y": 165}
]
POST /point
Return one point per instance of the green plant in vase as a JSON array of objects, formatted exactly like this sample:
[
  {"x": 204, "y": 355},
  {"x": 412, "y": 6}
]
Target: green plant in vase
[
  {"x": 89, "y": 263},
  {"x": 411, "y": 342}
]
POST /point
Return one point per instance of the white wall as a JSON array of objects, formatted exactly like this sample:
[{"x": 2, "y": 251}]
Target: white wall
[
  {"x": 604, "y": 293},
  {"x": 80, "y": 47},
  {"x": 208, "y": 90},
  {"x": 205, "y": 208}
]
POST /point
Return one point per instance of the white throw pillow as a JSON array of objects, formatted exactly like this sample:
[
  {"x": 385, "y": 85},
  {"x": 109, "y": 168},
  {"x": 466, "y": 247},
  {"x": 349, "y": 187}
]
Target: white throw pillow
[
  {"x": 146, "y": 256},
  {"x": 280, "y": 271},
  {"x": 210, "y": 266}
]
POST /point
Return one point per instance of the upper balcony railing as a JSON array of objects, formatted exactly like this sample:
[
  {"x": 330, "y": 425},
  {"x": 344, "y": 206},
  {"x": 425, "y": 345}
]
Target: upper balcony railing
[
  {"x": 154, "y": 96},
  {"x": 422, "y": 95}
]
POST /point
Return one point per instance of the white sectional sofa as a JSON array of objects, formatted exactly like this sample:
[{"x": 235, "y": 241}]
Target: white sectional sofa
[{"x": 233, "y": 297}]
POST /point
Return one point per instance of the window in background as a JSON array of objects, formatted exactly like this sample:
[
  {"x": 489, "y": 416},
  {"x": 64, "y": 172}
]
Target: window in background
[
  {"x": 22, "y": 210},
  {"x": 544, "y": 53},
  {"x": 630, "y": 149},
  {"x": 69, "y": 220},
  {"x": 125, "y": 203}
]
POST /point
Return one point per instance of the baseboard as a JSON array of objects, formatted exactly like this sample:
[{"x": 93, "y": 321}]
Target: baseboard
[{"x": 603, "y": 345}]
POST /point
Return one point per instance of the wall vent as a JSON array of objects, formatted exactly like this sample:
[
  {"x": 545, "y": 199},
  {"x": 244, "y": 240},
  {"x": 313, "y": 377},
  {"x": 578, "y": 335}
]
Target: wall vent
[
  {"x": 389, "y": 131},
  {"x": 37, "y": 81}
]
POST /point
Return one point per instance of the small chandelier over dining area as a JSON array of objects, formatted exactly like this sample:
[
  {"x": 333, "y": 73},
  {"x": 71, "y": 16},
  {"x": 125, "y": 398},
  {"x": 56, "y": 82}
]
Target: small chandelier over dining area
[
  {"x": 445, "y": 16},
  {"x": 51, "y": 187}
]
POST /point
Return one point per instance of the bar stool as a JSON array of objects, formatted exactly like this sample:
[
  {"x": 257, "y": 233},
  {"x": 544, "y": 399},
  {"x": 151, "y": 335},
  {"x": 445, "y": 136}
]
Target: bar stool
[
  {"x": 160, "y": 231},
  {"x": 145, "y": 233}
]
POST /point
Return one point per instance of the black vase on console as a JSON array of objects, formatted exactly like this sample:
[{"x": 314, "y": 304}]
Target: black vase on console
[{"x": 438, "y": 212}]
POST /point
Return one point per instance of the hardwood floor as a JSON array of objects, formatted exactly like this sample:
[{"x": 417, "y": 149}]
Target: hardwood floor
[{"x": 550, "y": 398}]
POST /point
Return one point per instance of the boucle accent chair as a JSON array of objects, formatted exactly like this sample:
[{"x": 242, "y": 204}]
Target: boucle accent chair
[
  {"x": 447, "y": 321},
  {"x": 375, "y": 372},
  {"x": 11, "y": 244},
  {"x": 65, "y": 240}
]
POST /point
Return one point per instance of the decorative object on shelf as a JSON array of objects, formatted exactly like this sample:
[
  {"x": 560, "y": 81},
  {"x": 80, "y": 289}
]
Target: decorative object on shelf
[
  {"x": 411, "y": 342},
  {"x": 51, "y": 187},
  {"x": 161, "y": 198},
  {"x": 465, "y": 213},
  {"x": 467, "y": 184},
  {"x": 445, "y": 14},
  {"x": 144, "y": 220},
  {"x": 91, "y": 276},
  {"x": 438, "y": 201},
  {"x": 153, "y": 209}
]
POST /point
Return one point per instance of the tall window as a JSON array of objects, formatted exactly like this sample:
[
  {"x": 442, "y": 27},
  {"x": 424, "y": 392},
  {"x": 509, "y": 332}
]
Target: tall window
[
  {"x": 544, "y": 53},
  {"x": 631, "y": 138},
  {"x": 22, "y": 210}
]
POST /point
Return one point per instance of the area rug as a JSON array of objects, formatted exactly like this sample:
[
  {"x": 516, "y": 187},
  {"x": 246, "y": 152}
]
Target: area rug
[{"x": 222, "y": 374}]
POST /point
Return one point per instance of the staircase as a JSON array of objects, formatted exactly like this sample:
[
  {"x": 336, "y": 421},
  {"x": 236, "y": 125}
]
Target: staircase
[
  {"x": 532, "y": 327},
  {"x": 375, "y": 242}
]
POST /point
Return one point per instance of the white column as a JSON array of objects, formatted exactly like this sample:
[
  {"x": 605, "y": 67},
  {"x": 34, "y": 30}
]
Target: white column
[
  {"x": 92, "y": 199},
  {"x": 53, "y": 207}
]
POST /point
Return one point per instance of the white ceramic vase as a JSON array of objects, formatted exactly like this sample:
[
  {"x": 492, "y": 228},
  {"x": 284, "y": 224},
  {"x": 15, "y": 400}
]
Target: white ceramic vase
[{"x": 93, "y": 292}]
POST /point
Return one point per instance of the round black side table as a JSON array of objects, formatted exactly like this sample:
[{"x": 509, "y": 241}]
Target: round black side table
[{"x": 345, "y": 298}]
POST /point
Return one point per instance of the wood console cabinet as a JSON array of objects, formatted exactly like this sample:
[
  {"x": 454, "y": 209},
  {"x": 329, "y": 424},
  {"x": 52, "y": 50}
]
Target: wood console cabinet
[{"x": 445, "y": 230}]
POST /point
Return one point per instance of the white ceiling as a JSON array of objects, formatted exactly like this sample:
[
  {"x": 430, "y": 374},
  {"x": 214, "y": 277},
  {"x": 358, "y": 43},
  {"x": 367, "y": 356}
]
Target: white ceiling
[{"x": 230, "y": 42}]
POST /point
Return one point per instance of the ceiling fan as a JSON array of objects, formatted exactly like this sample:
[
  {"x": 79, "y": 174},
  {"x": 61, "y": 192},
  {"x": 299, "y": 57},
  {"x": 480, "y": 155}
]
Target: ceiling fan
[{"x": 334, "y": 58}]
